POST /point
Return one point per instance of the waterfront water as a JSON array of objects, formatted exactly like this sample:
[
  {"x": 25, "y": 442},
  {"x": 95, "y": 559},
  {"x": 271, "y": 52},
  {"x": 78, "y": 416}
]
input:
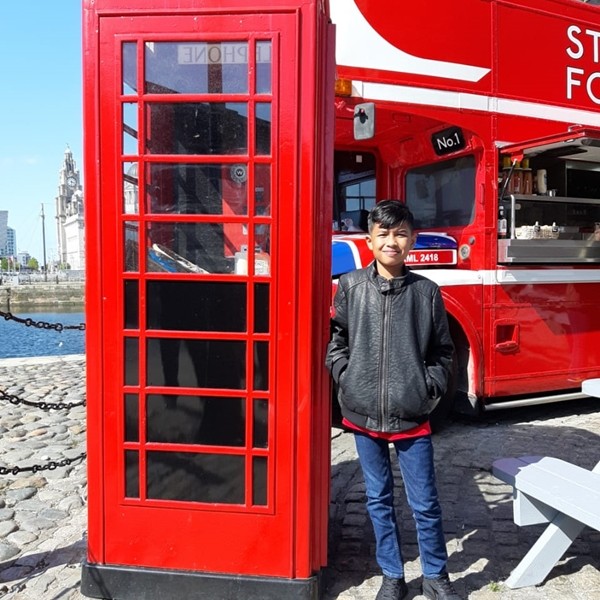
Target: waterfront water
[{"x": 19, "y": 340}]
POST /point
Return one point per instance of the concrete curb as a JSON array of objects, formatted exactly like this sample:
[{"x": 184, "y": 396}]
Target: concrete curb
[{"x": 39, "y": 360}]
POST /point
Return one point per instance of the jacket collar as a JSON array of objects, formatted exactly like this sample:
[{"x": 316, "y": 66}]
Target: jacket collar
[{"x": 388, "y": 285}]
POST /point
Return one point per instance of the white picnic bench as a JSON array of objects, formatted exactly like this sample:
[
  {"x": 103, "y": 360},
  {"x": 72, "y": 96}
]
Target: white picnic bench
[{"x": 553, "y": 491}]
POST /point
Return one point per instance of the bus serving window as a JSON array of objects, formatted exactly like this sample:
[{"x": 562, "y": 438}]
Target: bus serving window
[
  {"x": 442, "y": 194},
  {"x": 354, "y": 189}
]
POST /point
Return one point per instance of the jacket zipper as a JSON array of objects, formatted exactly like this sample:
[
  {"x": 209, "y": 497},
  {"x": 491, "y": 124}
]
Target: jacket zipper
[{"x": 383, "y": 408}]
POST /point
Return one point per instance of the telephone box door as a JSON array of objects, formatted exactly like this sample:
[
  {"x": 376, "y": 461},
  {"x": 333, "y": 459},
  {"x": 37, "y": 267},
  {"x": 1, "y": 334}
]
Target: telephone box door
[{"x": 195, "y": 130}]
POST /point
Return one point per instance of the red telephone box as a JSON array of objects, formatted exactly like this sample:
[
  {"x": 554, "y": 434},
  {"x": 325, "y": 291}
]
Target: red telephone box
[{"x": 207, "y": 161}]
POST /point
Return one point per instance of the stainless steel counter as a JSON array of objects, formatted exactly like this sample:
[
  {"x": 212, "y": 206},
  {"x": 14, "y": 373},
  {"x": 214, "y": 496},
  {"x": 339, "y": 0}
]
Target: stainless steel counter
[{"x": 548, "y": 251}]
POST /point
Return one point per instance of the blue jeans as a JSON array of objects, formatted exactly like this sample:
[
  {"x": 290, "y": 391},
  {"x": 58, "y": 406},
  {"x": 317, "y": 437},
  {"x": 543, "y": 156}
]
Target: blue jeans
[{"x": 415, "y": 456}]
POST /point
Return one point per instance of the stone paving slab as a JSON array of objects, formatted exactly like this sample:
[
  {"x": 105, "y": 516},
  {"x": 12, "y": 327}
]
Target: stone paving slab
[{"x": 43, "y": 515}]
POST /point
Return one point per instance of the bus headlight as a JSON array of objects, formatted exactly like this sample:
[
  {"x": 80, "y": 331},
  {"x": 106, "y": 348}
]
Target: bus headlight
[{"x": 464, "y": 251}]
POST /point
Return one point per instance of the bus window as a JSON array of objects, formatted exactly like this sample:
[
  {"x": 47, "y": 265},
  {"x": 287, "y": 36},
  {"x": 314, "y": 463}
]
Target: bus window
[
  {"x": 355, "y": 189},
  {"x": 442, "y": 194}
]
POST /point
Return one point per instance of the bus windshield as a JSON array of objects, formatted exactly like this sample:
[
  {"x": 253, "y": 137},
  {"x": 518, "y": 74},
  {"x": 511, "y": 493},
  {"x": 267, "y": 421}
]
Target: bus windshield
[
  {"x": 354, "y": 190},
  {"x": 442, "y": 194}
]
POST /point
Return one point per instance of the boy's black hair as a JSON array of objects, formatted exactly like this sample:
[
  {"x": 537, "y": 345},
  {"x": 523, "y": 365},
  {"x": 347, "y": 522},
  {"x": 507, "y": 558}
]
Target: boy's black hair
[{"x": 391, "y": 213}]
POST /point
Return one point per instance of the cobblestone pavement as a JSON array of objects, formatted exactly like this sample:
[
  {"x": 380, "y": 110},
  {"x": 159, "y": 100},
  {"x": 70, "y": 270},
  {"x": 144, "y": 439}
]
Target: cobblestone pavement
[{"x": 43, "y": 514}]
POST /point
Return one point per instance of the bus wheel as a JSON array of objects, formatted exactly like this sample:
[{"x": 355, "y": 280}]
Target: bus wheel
[{"x": 439, "y": 417}]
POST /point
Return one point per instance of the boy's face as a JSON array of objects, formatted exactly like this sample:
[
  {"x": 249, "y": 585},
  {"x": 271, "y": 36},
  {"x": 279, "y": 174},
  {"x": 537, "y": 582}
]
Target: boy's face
[{"x": 390, "y": 248}]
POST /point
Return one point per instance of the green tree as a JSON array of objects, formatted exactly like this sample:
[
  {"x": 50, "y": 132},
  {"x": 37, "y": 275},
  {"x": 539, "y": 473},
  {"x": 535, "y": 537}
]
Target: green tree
[
  {"x": 4, "y": 264},
  {"x": 33, "y": 264}
]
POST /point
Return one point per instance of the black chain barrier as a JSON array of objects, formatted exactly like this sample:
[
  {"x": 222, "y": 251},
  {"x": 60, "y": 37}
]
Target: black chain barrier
[
  {"x": 7, "y": 316},
  {"x": 15, "y": 400},
  {"x": 49, "y": 466}
]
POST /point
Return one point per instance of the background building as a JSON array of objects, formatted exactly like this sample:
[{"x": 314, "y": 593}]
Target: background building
[
  {"x": 23, "y": 258},
  {"x": 11, "y": 242},
  {"x": 69, "y": 216},
  {"x": 3, "y": 231}
]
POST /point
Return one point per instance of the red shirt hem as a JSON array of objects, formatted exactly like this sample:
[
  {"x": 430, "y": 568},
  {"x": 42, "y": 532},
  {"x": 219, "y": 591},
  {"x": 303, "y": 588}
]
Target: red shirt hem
[{"x": 418, "y": 431}]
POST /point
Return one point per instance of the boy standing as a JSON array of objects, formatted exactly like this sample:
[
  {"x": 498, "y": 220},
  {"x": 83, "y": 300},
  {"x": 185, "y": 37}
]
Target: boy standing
[{"x": 390, "y": 356}]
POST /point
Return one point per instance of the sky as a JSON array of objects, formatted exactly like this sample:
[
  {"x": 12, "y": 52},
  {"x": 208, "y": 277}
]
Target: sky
[{"x": 40, "y": 113}]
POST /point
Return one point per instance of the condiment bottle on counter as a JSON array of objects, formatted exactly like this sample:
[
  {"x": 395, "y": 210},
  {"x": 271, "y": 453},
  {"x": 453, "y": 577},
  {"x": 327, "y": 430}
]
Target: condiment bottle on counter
[
  {"x": 517, "y": 179},
  {"x": 527, "y": 178},
  {"x": 502, "y": 223},
  {"x": 504, "y": 176},
  {"x": 537, "y": 230}
]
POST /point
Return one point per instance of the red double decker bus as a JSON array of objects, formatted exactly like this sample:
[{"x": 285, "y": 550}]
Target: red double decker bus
[{"x": 487, "y": 127}]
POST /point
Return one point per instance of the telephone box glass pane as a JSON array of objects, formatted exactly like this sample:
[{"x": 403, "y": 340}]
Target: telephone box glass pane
[
  {"x": 196, "y": 67},
  {"x": 196, "y": 363},
  {"x": 259, "y": 481},
  {"x": 190, "y": 477},
  {"x": 132, "y": 320},
  {"x": 132, "y": 474},
  {"x": 132, "y": 244},
  {"x": 211, "y": 421},
  {"x": 263, "y": 128},
  {"x": 129, "y": 68},
  {"x": 261, "y": 308},
  {"x": 198, "y": 128},
  {"x": 261, "y": 366},
  {"x": 262, "y": 260},
  {"x": 132, "y": 373},
  {"x": 130, "y": 128},
  {"x": 186, "y": 189},
  {"x": 260, "y": 425},
  {"x": 130, "y": 188},
  {"x": 131, "y": 418},
  {"x": 208, "y": 306},
  {"x": 195, "y": 247},
  {"x": 262, "y": 190},
  {"x": 262, "y": 241},
  {"x": 263, "y": 67}
]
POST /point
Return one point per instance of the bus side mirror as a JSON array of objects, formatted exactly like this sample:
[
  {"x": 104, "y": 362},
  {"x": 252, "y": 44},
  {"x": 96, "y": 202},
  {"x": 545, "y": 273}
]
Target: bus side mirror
[{"x": 364, "y": 121}]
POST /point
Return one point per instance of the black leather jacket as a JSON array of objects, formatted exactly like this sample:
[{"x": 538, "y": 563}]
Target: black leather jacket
[{"x": 390, "y": 352}]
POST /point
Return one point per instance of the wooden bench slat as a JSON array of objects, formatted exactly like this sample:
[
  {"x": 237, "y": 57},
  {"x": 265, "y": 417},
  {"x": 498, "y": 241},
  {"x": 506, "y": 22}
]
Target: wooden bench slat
[
  {"x": 578, "y": 498},
  {"x": 557, "y": 465},
  {"x": 506, "y": 469}
]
